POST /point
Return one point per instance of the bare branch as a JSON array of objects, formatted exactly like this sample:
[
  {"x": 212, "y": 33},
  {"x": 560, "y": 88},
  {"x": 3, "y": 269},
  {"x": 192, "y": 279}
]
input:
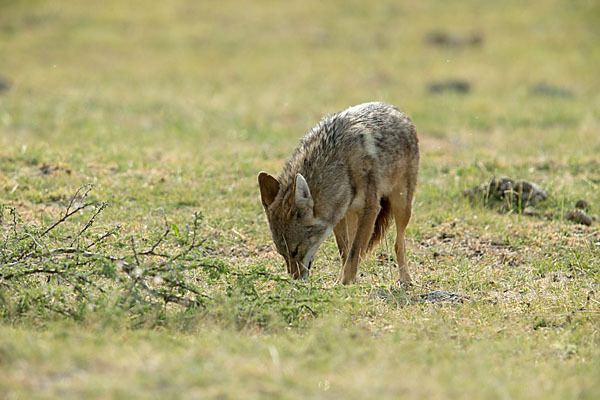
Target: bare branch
[
  {"x": 101, "y": 207},
  {"x": 13, "y": 211},
  {"x": 68, "y": 212},
  {"x": 88, "y": 188},
  {"x": 160, "y": 239},
  {"x": 30, "y": 258},
  {"x": 135, "y": 254},
  {"x": 64, "y": 218},
  {"x": 107, "y": 234}
]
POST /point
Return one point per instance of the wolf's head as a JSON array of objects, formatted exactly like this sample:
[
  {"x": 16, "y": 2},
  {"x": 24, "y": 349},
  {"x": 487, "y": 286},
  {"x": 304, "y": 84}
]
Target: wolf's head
[{"x": 296, "y": 231}]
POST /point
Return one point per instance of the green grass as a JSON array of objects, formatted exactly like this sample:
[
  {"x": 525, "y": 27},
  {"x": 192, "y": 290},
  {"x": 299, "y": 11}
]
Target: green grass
[{"x": 178, "y": 105}]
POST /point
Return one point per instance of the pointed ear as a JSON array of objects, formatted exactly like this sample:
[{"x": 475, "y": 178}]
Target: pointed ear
[
  {"x": 302, "y": 197},
  {"x": 269, "y": 187}
]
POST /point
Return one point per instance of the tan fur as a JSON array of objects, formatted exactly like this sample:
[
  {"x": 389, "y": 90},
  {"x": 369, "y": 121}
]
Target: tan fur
[{"x": 352, "y": 173}]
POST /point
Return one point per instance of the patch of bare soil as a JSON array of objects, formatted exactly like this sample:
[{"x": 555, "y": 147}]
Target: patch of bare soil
[
  {"x": 453, "y": 40},
  {"x": 449, "y": 85},
  {"x": 549, "y": 90},
  {"x": 452, "y": 240}
]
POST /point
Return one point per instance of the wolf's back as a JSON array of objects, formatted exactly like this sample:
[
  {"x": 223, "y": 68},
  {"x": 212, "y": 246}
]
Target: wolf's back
[{"x": 377, "y": 132}]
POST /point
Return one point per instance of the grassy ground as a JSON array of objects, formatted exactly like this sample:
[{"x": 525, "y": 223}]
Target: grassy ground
[{"x": 178, "y": 105}]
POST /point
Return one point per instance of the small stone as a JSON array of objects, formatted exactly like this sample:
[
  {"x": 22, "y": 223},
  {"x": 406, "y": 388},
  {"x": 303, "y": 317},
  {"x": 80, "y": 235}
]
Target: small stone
[
  {"x": 518, "y": 194},
  {"x": 530, "y": 211},
  {"x": 579, "y": 217},
  {"x": 582, "y": 205}
]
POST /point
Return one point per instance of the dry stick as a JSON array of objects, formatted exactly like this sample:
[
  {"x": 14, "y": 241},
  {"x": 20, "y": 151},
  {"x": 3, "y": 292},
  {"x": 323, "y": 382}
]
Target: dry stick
[
  {"x": 68, "y": 211},
  {"x": 76, "y": 287},
  {"x": 38, "y": 244},
  {"x": 160, "y": 239},
  {"x": 182, "y": 253},
  {"x": 186, "y": 287},
  {"x": 72, "y": 250},
  {"x": 183, "y": 301},
  {"x": 128, "y": 268},
  {"x": 191, "y": 246},
  {"x": 133, "y": 283},
  {"x": 101, "y": 238},
  {"x": 5, "y": 245},
  {"x": 170, "y": 298},
  {"x": 135, "y": 254},
  {"x": 47, "y": 271},
  {"x": 135, "y": 280},
  {"x": 85, "y": 280},
  {"x": 31, "y": 272},
  {"x": 59, "y": 311},
  {"x": 89, "y": 187},
  {"x": 13, "y": 211},
  {"x": 65, "y": 217},
  {"x": 92, "y": 219}
]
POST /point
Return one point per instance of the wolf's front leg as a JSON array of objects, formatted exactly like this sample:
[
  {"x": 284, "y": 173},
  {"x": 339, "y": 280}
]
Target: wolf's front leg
[
  {"x": 344, "y": 231},
  {"x": 364, "y": 231}
]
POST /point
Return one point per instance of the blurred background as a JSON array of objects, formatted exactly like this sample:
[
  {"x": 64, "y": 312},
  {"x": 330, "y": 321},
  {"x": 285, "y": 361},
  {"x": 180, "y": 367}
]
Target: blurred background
[{"x": 232, "y": 86}]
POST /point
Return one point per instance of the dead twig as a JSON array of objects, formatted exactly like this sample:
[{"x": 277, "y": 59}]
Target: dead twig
[
  {"x": 68, "y": 212},
  {"x": 104, "y": 236},
  {"x": 90, "y": 222},
  {"x": 162, "y": 237}
]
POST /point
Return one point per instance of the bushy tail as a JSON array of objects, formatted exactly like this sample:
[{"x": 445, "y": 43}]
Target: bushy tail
[{"x": 381, "y": 223}]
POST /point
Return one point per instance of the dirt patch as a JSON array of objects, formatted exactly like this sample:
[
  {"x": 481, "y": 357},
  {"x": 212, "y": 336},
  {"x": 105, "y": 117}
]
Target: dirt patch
[
  {"x": 450, "y": 85},
  {"x": 46, "y": 168},
  {"x": 451, "y": 241},
  {"x": 446, "y": 39},
  {"x": 547, "y": 90}
]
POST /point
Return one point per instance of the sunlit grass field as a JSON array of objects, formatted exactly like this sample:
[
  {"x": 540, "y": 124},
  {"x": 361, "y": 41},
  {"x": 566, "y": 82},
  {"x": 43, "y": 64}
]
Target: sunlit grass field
[{"x": 172, "y": 108}]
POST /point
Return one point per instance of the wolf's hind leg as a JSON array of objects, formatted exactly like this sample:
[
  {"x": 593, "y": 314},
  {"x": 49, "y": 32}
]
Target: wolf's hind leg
[{"x": 402, "y": 209}]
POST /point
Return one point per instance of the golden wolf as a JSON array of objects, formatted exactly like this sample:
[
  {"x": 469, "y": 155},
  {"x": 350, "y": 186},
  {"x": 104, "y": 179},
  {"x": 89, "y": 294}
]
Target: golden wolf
[{"x": 351, "y": 173}]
